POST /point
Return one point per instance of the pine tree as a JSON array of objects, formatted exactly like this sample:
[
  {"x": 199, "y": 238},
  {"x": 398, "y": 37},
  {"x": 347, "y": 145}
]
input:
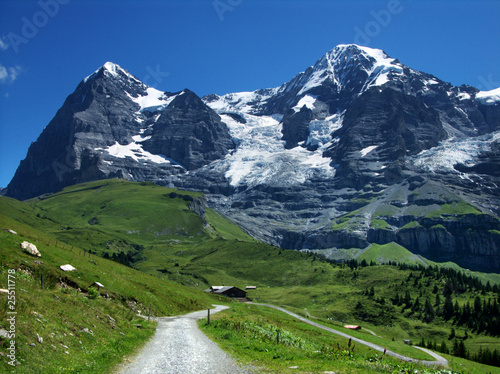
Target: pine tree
[
  {"x": 462, "y": 350},
  {"x": 452, "y": 334},
  {"x": 455, "y": 349},
  {"x": 477, "y": 306},
  {"x": 407, "y": 299},
  {"x": 444, "y": 348},
  {"x": 459, "y": 349},
  {"x": 437, "y": 301},
  {"x": 416, "y": 305},
  {"x": 429, "y": 311},
  {"x": 448, "y": 307}
]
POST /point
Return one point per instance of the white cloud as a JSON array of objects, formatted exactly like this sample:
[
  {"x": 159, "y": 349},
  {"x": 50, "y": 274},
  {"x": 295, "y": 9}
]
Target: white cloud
[{"x": 9, "y": 74}]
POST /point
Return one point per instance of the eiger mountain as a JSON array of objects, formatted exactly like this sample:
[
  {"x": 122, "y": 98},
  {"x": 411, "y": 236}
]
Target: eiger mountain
[{"x": 357, "y": 149}]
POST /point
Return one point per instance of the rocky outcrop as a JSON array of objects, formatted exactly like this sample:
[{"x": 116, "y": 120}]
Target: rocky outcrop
[
  {"x": 199, "y": 206},
  {"x": 471, "y": 240},
  {"x": 189, "y": 132},
  {"x": 30, "y": 248},
  {"x": 296, "y": 126}
]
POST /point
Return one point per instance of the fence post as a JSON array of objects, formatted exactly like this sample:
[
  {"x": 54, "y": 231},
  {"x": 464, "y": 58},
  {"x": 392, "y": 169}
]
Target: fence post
[{"x": 208, "y": 317}]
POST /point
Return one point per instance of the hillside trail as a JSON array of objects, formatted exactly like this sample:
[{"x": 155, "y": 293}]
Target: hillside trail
[
  {"x": 440, "y": 361},
  {"x": 179, "y": 347}
]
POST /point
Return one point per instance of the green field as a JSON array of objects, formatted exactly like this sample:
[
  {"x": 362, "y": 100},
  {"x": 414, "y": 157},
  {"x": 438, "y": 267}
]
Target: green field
[{"x": 170, "y": 251}]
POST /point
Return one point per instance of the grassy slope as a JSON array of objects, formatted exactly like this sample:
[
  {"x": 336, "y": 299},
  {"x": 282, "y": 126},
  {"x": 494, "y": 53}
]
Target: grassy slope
[
  {"x": 59, "y": 314},
  {"x": 172, "y": 242},
  {"x": 382, "y": 253},
  {"x": 250, "y": 333}
]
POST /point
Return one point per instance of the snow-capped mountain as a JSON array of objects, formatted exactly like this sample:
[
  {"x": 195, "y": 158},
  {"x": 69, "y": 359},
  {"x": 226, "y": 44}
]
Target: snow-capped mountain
[{"x": 357, "y": 149}]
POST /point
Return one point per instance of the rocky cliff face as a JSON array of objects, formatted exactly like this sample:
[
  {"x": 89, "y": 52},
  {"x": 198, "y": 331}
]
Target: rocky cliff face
[
  {"x": 114, "y": 126},
  {"x": 357, "y": 149}
]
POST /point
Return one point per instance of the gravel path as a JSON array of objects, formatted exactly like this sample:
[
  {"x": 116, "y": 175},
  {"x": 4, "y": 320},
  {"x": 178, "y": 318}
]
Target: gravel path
[
  {"x": 440, "y": 361},
  {"x": 180, "y": 347}
]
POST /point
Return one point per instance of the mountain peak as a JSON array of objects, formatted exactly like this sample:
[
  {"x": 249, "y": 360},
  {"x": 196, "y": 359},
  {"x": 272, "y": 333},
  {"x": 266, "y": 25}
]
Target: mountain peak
[
  {"x": 112, "y": 67},
  {"x": 112, "y": 70},
  {"x": 349, "y": 66},
  {"x": 352, "y": 56},
  {"x": 354, "y": 48}
]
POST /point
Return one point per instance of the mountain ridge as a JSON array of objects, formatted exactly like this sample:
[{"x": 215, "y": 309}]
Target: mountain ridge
[{"x": 339, "y": 139}]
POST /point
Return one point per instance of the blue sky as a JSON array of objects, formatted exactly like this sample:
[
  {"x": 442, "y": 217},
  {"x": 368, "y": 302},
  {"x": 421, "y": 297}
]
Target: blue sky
[{"x": 218, "y": 46}]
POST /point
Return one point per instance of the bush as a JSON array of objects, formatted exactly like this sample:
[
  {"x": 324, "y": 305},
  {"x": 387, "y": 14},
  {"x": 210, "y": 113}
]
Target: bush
[{"x": 93, "y": 293}]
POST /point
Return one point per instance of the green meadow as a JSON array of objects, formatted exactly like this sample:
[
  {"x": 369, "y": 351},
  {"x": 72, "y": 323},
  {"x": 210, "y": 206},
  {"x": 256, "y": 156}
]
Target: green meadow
[{"x": 154, "y": 250}]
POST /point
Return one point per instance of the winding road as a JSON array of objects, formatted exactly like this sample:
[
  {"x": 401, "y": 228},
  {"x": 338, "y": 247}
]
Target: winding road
[
  {"x": 180, "y": 347},
  {"x": 440, "y": 361}
]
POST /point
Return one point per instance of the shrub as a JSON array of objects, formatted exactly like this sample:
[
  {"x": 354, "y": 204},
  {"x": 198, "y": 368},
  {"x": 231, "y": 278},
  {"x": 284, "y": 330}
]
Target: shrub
[{"x": 93, "y": 293}]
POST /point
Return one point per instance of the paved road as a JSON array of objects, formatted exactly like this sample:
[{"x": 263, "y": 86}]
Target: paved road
[
  {"x": 440, "y": 361},
  {"x": 180, "y": 347}
]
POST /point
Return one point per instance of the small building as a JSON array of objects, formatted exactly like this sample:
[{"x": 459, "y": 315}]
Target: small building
[
  {"x": 97, "y": 285},
  {"x": 250, "y": 287},
  {"x": 229, "y": 291}
]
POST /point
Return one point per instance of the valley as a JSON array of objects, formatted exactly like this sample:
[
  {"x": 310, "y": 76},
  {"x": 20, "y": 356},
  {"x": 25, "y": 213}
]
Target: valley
[{"x": 181, "y": 247}]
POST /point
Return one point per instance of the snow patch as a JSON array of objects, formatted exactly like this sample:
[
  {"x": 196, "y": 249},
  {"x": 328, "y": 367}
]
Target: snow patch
[
  {"x": 430, "y": 81},
  {"x": 367, "y": 150},
  {"x": 316, "y": 79},
  {"x": 246, "y": 102},
  {"x": 320, "y": 132},
  {"x": 135, "y": 152},
  {"x": 261, "y": 157},
  {"x": 154, "y": 100},
  {"x": 489, "y": 97},
  {"x": 307, "y": 100},
  {"x": 383, "y": 65},
  {"x": 381, "y": 73},
  {"x": 450, "y": 152}
]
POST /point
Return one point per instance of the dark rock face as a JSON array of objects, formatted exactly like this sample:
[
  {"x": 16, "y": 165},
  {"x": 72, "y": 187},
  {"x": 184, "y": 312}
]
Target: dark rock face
[
  {"x": 357, "y": 149},
  {"x": 189, "y": 132},
  {"x": 399, "y": 124},
  {"x": 296, "y": 127},
  {"x": 99, "y": 133}
]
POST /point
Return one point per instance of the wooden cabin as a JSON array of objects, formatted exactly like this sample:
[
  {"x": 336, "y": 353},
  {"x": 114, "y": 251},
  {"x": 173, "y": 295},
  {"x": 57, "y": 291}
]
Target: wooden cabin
[{"x": 229, "y": 291}]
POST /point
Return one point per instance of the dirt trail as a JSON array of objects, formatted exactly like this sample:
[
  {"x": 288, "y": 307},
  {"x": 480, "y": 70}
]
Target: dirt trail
[{"x": 180, "y": 347}]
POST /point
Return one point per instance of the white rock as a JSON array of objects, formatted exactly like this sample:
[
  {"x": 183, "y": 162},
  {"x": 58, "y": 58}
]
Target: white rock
[
  {"x": 67, "y": 267},
  {"x": 30, "y": 248}
]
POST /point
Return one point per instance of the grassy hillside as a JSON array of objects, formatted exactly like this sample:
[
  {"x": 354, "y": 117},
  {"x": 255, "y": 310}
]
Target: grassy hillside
[
  {"x": 251, "y": 333},
  {"x": 67, "y": 325},
  {"x": 174, "y": 242}
]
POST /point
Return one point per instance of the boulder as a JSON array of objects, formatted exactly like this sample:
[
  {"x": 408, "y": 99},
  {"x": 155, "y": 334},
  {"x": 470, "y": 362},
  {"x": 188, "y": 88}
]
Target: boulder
[
  {"x": 30, "y": 248},
  {"x": 67, "y": 267}
]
